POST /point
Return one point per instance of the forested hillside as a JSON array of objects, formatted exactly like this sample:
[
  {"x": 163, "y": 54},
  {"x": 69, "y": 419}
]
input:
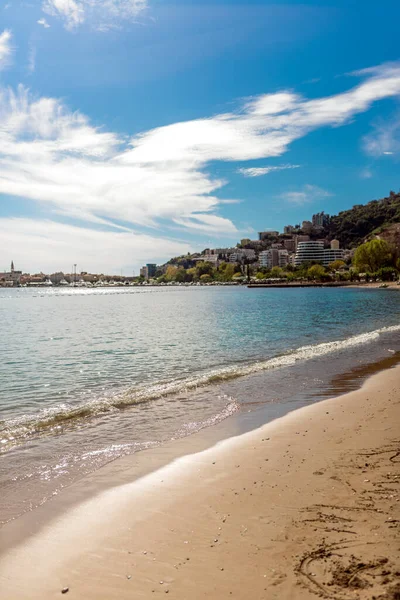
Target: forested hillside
[{"x": 350, "y": 227}]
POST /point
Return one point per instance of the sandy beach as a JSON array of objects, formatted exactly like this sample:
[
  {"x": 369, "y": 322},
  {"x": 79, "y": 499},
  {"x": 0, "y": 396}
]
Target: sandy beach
[
  {"x": 391, "y": 285},
  {"x": 306, "y": 506}
]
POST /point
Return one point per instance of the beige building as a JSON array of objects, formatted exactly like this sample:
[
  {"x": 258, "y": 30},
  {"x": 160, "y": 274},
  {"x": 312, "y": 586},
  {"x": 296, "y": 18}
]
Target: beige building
[
  {"x": 307, "y": 226},
  {"x": 290, "y": 245},
  {"x": 274, "y": 258}
]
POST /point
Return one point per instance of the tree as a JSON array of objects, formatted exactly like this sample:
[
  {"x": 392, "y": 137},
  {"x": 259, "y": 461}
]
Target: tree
[
  {"x": 316, "y": 272},
  {"x": 387, "y": 273},
  {"x": 372, "y": 255},
  {"x": 336, "y": 265},
  {"x": 277, "y": 272},
  {"x": 226, "y": 271},
  {"x": 352, "y": 226},
  {"x": 180, "y": 275},
  {"x": 191, "y": 274},
  {"x": 204, "y": 268},
  {"x": 205, "y": 278},
  {"x": 290, "y": 276},
  {"x": 171, "y": 272}
]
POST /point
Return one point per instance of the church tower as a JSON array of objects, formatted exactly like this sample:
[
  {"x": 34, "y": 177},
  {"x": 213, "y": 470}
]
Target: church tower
[{"x": 12, "y": 266}]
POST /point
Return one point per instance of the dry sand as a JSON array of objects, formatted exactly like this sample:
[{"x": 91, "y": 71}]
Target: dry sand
[
  {"x": 391, "y": 285},
  {"x": 307, "y": 505}
]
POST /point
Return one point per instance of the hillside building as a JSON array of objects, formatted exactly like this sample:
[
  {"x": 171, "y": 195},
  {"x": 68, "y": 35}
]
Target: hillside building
[
  {"x": 289, "y": 229},
  {"x": 307, "y": 226},
  {"x": 211, "y": 258},
  {"x": 314, "y": 251},
  {"x": 274, "y": 258},
  {"x": 241, "y": 255},
  {"x": 320, "y": 219},
  {"x": 300, "y": 238},
  {"x": 290, "y": 245},
  {"x": 265, "y": 235}
]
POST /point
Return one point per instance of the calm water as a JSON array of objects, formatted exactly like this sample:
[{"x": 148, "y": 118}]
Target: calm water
[{"x": 90, "y": 375}]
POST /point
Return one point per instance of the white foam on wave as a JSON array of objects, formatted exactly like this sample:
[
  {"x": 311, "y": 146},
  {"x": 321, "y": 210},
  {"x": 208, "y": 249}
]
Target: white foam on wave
[{"x": 14, "y": 430}]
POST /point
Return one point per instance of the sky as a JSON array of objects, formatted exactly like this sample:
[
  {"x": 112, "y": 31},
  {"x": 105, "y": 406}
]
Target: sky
[{"x": 132, "y": 131}]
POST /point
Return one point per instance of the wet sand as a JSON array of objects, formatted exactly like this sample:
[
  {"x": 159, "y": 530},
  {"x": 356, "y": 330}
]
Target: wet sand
[{"x": 307, "y": 505}]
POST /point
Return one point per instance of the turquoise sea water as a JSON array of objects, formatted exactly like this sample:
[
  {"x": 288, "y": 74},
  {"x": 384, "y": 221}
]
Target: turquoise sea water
[{"x": 89, "y": 375}]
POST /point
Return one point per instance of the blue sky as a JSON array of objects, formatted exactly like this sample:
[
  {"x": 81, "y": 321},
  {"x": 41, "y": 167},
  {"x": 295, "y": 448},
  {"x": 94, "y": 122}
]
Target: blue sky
[{"x": 135, "y": 130}]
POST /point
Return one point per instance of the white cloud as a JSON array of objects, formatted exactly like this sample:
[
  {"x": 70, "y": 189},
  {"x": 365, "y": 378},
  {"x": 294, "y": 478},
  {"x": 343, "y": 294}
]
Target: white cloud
[
  {"x": 51, "y": 246},
  {"x": 44, "y": 23},
  {"x": 308, "y": 193},
  {"x": 211, "y": 224},
  {"x": 366, "y": 173},
  {"x": 264, "y": 128},
  {"x": 259, "y": 171},
  {"x": 6, "y": 48},
  {"x": 55, "y": 157},
  {"x": 384, "y": 139},
  {"x": 101, "y": 14},
  {"x": 32, "y": 59}
]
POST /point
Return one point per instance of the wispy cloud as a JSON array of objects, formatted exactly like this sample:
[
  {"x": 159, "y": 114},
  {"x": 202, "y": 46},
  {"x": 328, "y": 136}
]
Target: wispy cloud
[
  {"x": 6, "y": 48},
  {"x": 313, "y": 80},
  {"x": 384, "y": 139},
  {"x": 308, "y": 193},
  {"x": 53, "y": 246},
  {"x": 44, "y": 23},
  {"x": 100, "y": 14},
  {"x": 259, "y": 171},
  {"x": 159, "y": 178},
  {"x": 366, "y": 173},
  {"x": 32, "y": 59}
]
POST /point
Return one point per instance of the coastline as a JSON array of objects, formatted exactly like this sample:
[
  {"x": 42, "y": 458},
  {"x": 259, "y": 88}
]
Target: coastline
[
  {"x": 229, "y": 284},
  {"x": 392, "y": 285},
  {"x": 240, "y": 512}
]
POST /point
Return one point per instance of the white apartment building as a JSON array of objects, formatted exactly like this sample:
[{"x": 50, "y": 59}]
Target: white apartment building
[
  {"x": 242, "y": 254},
  {"x": 314, "y": 251},
  {"x": 332, "y": 254},
  {"x": 212, "y": 258},
  {"x": 221, "y": 251}
]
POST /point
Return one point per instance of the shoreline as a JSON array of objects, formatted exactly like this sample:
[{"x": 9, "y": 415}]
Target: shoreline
[
  {"x": 229, "y": 284},
  {"x": 392, "y": 285},
  {"x": 118, "y": 548},
  {"x": 133, "y": 466}
]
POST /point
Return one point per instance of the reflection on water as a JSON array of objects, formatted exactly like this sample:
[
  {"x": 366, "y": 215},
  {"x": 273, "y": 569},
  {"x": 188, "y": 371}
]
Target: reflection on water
[{"x": 85, "y": 356}]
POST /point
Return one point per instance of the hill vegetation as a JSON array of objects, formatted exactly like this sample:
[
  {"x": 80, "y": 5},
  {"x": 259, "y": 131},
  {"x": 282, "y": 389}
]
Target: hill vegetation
[
  {"x": 352, "y": 226},
  {"x": 372, "y": 231}
]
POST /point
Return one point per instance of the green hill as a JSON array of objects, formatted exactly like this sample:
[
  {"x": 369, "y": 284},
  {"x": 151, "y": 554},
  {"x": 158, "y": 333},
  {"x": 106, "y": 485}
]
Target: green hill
[{"x": 352, "y": 226}]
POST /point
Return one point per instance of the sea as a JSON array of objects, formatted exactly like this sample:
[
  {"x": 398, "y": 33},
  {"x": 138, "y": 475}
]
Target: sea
[{"x": 91, "y": 375}]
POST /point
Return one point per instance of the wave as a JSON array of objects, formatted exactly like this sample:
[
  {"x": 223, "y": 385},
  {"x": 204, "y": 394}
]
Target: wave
[{"x": 14, "y": 431}]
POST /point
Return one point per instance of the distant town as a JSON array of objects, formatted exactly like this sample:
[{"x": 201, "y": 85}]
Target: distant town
[{"x": 302, "y": 252}]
